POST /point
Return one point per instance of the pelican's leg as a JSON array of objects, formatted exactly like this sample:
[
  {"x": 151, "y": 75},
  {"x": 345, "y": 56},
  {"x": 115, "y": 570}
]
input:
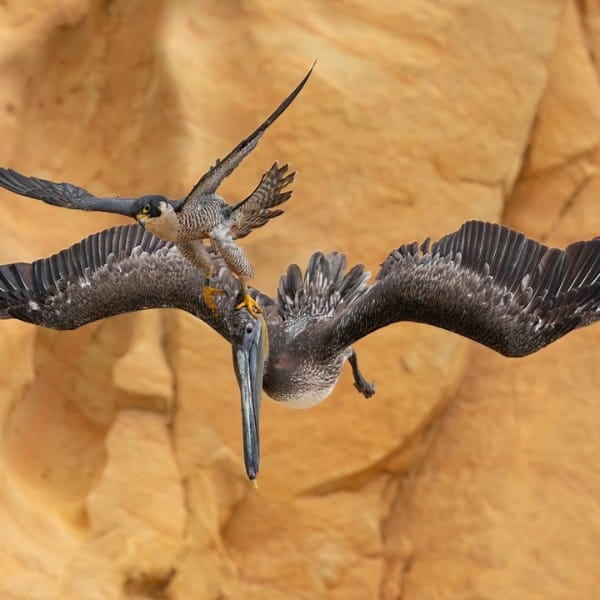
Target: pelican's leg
[
  {"x": 196, "y": 252},
  {"x": 360, "y": 383},
  {"x": 239, "y": 264}
]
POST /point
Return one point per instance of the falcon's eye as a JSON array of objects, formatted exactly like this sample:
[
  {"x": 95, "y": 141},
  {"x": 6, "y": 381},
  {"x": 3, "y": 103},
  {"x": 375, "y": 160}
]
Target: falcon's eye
[{"x": 146, "y": 209}]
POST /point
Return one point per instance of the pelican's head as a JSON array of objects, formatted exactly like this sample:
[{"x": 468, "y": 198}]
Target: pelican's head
[{"x": 250, "y": 350}]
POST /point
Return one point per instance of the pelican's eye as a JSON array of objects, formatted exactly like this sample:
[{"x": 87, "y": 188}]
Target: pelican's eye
[
  {"x": 249, "y": 328},
  {"x": 146, "y": 209}
]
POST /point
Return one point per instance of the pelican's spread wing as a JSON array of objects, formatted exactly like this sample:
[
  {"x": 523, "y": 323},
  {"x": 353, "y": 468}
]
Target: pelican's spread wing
[
  {"x": 65, "y": 195},
  {"x": 117, "y": 270},
  {"x": 486, "y": 282},
  {"x": 254, "y": 211},
  {"x": 210, "y": 181}
]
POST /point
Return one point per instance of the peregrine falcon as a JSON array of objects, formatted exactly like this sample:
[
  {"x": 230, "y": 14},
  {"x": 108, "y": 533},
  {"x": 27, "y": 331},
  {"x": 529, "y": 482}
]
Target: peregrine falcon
[{"x": 202, "y": 214}]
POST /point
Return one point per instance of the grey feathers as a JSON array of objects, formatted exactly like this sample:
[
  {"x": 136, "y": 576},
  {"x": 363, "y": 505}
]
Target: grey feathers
[
  {"x": 254, "y": 211},
  {"x": 210, "y": 181},
  {"x": 65, "y": 195}
]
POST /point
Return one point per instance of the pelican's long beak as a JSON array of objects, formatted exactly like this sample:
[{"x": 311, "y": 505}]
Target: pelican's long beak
[{"x": 248, "y": 361}]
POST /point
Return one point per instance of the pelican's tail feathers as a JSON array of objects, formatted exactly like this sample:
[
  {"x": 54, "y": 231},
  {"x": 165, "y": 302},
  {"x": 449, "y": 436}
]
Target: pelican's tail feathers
[{"x": 325, "y": 287}]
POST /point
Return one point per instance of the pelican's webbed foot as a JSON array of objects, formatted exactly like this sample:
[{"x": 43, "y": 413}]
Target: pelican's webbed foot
[
  {"x": 360, "y": 383},
  {"x": 208, "y": 292}
]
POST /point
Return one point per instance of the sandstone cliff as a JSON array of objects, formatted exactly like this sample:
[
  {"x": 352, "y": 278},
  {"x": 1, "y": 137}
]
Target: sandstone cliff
[{"x": 468, "y": 475}]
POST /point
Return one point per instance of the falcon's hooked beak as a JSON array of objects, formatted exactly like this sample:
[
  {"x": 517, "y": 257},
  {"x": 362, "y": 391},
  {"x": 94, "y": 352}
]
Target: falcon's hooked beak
[
  {"x": 144, "y": 213},
  {"x": 248, "y": 361}
]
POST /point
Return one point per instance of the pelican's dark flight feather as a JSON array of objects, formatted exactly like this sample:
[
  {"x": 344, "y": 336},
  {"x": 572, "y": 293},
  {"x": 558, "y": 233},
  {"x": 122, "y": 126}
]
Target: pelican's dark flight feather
[
  {"x": 118, "y": 270},
  {"x": 484, "y": 281}
]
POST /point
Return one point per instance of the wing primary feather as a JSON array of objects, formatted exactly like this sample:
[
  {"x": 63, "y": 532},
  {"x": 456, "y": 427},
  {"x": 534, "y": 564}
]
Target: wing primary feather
[
  {"x": 79, "y": 256},
  {"x": 117, "y": 242},
  {"x": 513, "y": 268},
  {"x": 90, "y": 254},
  {"x": 492, "y": 248},
  {"x": 211, "y": 180},
  {"x": 592, "y": 277},
  {"x": 469, "y": 242},
  {"x": 338, "y": 263},
  {"x": 502, "y": 248},
  {"x": 586, "y": 258},
  {"x": 37, "y": 279},
  {"x": 53, "y": 269},
  {"x": 19, "y": 271},
  {"x": 106, "y": 241},
  {"x": 509, "y": 249},
  {"x": 64, "y": 195},
  {"x": 546, "y": 272},
  {"x": 584, "y": 261},
  {"x": 9, "y": 283}
]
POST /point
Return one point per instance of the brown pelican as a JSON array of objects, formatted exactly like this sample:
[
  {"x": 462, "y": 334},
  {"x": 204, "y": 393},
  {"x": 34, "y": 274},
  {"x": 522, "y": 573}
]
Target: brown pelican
[
  {"x": 202, "y": 214},
  {"x": 484, "y": 281}
]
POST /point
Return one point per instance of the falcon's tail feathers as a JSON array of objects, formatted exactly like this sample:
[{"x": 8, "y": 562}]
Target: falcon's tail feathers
[{"x": 255, "y": 211}]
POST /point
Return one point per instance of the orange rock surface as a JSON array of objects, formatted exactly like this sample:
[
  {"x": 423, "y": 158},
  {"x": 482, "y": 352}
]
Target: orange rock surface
[{"x": 468, "y": 475}]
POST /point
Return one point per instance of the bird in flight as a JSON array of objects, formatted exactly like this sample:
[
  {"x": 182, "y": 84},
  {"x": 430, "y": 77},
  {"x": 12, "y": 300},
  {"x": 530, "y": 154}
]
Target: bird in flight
[
  {"x": 484, "y": 281},
  {"x": 202, "y": 214}
]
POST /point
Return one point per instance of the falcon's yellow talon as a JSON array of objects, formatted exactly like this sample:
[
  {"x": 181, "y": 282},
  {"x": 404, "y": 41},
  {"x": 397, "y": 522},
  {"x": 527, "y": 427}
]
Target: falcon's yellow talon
[
  {"x": 250, "y": 304},
  {"x": 208, "y": 294}
]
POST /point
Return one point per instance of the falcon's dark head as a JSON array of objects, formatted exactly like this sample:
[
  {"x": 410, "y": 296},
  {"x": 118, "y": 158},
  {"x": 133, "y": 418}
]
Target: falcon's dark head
[
  {"x": 147, "y": 207},
  {"x": 157, "y": 215}
]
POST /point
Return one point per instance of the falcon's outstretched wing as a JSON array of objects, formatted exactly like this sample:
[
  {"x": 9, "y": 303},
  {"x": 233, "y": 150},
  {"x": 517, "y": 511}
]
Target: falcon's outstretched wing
[
  {"x": 65, "y": 195},
  {"x": 210, "y": 181}
]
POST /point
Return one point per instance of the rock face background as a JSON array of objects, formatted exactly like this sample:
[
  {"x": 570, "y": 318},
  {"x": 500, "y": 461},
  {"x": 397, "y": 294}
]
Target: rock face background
[{"x": 468, "y": 475}]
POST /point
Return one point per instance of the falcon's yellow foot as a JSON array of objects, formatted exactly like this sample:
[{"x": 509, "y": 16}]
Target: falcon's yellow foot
[
  {"x": 250, "y": 304},
  {"x": 208, "y": 294}
]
